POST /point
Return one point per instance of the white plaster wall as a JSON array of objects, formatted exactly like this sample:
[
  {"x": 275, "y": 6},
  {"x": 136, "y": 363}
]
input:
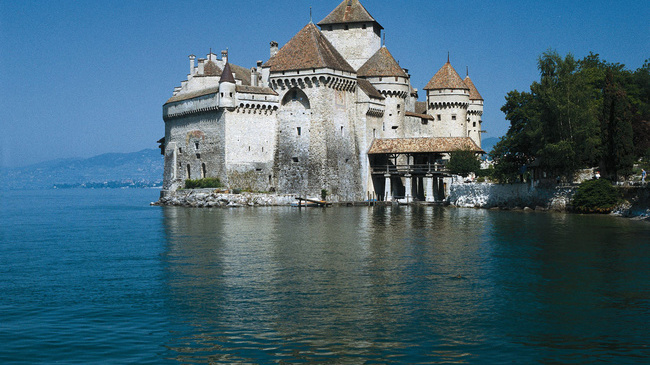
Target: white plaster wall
[
  {"x": 446, "y": 104},
  {"x": 356, "y": 44}
]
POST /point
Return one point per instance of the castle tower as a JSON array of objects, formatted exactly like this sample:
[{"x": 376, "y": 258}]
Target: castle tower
[
  {"x": 316, "y": 144},
  {"x": 353, "y": 32},
  {"x": 386, "y": 75},
  {"x": 447, "y": 102},
  {"x": 474, "y": 112},
  {"x": 227, "y": 88}
]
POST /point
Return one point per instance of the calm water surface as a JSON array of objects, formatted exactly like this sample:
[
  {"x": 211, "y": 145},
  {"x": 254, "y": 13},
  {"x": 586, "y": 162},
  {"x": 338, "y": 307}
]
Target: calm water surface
[{"x": 98, "y": 276}]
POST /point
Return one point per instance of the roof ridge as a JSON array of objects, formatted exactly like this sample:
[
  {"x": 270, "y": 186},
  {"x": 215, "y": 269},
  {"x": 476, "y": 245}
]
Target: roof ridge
[
  {"x": 309, "y": 48},
  {"x": 382, "y": 63},
  {"x": 446, "y": 78}
]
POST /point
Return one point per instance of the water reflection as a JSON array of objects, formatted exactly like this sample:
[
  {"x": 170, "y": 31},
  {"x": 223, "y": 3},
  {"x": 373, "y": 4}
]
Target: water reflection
[{"x": 393, "y": 284}]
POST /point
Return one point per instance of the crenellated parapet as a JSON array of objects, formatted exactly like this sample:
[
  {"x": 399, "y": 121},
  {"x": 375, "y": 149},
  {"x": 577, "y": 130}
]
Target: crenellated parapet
[
  {"x": 332, "y": 81},
  {"x": 441, "y": 105}
]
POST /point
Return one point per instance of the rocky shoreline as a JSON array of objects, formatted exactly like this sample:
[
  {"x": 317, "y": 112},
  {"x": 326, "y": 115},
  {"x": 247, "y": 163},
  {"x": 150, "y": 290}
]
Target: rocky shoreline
[{"x": 215, "y": 198}]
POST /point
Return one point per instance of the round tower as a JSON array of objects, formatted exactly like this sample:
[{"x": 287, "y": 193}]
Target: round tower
[
  {"x": 448, "y": 102},
  {"x": 386, "y": 75},
  {"x": 474, "y": 112},
  {"x": 227, "y": 88}
]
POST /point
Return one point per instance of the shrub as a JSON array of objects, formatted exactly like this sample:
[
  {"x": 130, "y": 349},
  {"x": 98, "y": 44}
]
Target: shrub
[
  {"x": 463, "y": 162},
  {"x": 208, "y": 182},
  {"x": 595, "y": 196}
]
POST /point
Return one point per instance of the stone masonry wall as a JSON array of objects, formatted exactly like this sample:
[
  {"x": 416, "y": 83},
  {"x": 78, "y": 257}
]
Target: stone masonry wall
[{"x": 487, "y": 195}]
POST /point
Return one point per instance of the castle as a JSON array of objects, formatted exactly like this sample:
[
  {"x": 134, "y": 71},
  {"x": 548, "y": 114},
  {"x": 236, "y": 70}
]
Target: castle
[{"x": 331, "y": 109}]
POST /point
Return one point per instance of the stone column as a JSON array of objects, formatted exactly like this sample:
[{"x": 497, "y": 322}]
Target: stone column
[
  {"x": 408, "y": 185},
  {"x": 388, "y": 194},
  {"x": 429, "y": 194}
]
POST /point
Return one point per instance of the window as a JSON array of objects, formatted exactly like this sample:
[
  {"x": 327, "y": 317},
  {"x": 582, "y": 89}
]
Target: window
[
  {"x": 374, "y": 133},
  {"x": 203, "y": 171},
  {"x": 294, "y": 159},
  {"x": 188, "y": 172},
  {"x": 398, "y": 106},
  {"x": 341, "y": 130},
  {"x": 474, "y": 124},
  {"x": 394, "y": 127},
  {"x": 298, "y": 130},
  {"x": 453, "y": 117},
  {"x": 196, "y": 145},
  {"x": 439, "y": 117}
]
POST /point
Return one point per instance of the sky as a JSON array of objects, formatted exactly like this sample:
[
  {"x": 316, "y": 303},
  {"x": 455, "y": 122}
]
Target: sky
[{"x": 82, "y": 78}]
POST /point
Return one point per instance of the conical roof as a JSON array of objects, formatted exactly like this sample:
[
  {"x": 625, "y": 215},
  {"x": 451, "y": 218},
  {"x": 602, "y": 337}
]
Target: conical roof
[
  {"x": 473, "y": 92},
  {"x": 306, "y": 50},
  {"x": 349, "y": 11},
  {"x": 382, "y": 63},
  {"x": 227, "y": 76},
  {"x": 446, "y": 78}
]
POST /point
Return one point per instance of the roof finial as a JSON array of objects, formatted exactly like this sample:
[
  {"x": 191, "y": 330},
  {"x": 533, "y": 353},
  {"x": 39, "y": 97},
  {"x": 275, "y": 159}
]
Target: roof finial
[
  {"x": 310, "y": 19},
  {"x": 384, "y": 44},
  {"x": 447, "y": 56},
  {"x": 467, "y": 71}
]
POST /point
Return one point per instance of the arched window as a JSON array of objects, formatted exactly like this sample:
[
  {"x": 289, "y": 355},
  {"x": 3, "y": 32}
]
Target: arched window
[{"x": 296, "y": 98}]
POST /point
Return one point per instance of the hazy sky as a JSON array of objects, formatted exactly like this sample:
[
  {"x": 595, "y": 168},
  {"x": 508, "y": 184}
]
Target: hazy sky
[{"x": 81, "y": 78}]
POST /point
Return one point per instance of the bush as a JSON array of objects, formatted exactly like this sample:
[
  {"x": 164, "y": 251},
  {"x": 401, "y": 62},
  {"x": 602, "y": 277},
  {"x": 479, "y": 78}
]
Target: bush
[
  {"x": 208, "y": 182},
  {"x": 595, "y": 196},
  {"x": 463, "y": 162}
]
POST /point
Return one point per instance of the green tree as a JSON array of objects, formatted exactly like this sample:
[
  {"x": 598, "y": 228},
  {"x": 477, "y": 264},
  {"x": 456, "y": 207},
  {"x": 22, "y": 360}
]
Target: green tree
[
  {"x": 616, "y": 130},
  {"x": 463, "y": 162}
]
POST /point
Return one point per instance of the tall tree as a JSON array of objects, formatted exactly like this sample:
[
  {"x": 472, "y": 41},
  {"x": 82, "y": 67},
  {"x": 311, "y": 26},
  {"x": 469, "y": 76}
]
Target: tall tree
[{"x": 616, "y": 129}]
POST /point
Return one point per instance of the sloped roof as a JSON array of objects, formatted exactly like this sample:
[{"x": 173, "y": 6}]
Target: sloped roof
[
  {"x": 308, "y": 49},
  {"x": 419, "y": 115},
  {"x": 211, "y": 69},
  {"x": 227, "y": 76},
  {"x": 192, "y": 95},
  {"x": 382, "y": 63},
  {"x": 349, "y": 11},
  {"x": 241, "y": 73},
  {"x": 423, "y": 145},
  {"x": 255, "y": 90},
  {"x": 421, "y": 107},
  {"x": 370, "y": 90},
  {"x": 473, "y": 92},
  {"x": 446, "y": 78}
]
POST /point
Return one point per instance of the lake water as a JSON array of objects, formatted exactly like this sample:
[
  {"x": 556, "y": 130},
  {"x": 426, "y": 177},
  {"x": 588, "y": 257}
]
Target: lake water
[{"x": 99, "y": 276}]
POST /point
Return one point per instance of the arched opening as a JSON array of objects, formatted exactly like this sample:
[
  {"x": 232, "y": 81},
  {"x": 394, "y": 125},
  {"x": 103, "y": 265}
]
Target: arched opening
[{"x": 296, "y": 99}]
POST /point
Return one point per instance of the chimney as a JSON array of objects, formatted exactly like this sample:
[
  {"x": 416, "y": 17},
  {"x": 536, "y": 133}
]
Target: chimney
[
  {"x": 274, "y": 48},
  {"x": 224, "y": 57},
  {"x": 192, "y": 58},
  {"x": 201, "y": 66}
]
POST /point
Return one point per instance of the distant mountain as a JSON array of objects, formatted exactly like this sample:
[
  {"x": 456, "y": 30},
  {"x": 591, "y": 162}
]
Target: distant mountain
[
  {"x": 489, "y": 143},
  {"x": 142, "y": 168}
]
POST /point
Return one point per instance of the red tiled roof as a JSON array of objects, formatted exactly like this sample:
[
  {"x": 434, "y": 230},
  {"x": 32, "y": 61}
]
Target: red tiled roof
[
  {"x": 446, "y": 78},
  {"x": 381, "y": 63},
  {"x": 370, "y": 90},
  {"x": 241, "y": 73},
  {"x": 306, "y": 50},
  {"x": 348, "y": 11},
  {"x": 473, "y": 92},
  {"x": 423, "y": 145}
]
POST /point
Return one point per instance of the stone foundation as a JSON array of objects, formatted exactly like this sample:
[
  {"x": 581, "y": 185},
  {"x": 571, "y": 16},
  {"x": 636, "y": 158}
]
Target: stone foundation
[{"x": 211, "y": 198}]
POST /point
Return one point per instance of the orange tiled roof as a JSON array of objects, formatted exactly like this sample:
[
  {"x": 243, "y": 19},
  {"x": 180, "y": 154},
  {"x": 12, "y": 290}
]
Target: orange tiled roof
[
  {"x": 423, "y": 145},
  {"x": 473, "y": 92},
  {"x": 211, "y": 69},
  {"x": 421, "y": 107},
  {"x": 381, "y": 63},
  {"x": 348, "y": 11},
  {"x": 419, "y": 115},
  {"x": 446, "y": 78},
  {"x": 306, "y": 50}
]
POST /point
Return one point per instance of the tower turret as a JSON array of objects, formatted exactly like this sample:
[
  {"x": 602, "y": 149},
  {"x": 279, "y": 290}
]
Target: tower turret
[
  {"x": 386, "y": 75},
  {"x": 474, "y": 112},
  {"x": 227, "y": 88},
  {"x": 447, "y": 102},
  {"x": 353, "y": 32}
]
